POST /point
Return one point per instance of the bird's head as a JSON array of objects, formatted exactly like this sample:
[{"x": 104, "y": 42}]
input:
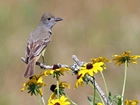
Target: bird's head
[{"x": 49, "y": 20}]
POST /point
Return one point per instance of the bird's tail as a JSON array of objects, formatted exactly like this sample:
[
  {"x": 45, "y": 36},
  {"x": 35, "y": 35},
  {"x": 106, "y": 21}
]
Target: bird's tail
[{"x": 30, "y": 68}]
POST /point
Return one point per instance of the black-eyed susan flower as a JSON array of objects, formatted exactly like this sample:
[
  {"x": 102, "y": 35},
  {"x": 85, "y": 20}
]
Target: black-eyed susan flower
[
  {"x": 130, "y": 102},
  {"x": 88, "y": 69},
  {"x": 56, "y": 70},
  {"x": 125, "y": 57},
  {"x": 61, "y": 101},
  {"x": 91, "y": 69},
  {"x": 100, "y": 59},
  {"x": 62, "y": 86},
  {"x": 34, "y": 85}
]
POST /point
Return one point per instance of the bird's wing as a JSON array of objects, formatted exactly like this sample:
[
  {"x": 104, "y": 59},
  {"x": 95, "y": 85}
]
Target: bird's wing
[
  {"x": 29, "y": 47},
  {"x": 35, "y": 48},
  {"x": 39, "y": 46}
]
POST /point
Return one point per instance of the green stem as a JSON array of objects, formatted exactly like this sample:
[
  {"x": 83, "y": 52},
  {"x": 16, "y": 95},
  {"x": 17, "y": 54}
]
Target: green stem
[
  {"x": 57, "y": 82},
  {"x": 124, "y": 82},
  {"x": 97, "y": 93},
  {"x": 94, "y": 94},
  {"x": 38, "y": 98},
  {"x": 104, "y": 83},
  {"x": 100, "y": 97},
  {"x": 43, "y": 101}
]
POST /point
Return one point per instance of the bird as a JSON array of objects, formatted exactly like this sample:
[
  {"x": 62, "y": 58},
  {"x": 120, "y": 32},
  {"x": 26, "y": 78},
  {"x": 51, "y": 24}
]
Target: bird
[{"x": 38, "y": 41}]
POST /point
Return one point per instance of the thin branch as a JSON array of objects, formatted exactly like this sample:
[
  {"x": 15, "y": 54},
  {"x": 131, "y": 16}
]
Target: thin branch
[
  {"x": 77, "y": 61},
  {"x": 43, "y": 66}
]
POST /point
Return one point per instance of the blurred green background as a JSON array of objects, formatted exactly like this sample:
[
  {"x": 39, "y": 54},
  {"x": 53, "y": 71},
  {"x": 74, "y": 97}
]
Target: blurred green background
[{"x": 91, "y": 28}]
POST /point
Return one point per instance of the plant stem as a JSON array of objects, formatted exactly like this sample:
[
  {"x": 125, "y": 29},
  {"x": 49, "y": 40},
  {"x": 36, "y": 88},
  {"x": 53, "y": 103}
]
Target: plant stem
[
  {"x": 94, "y": 94},
  {"x": 124, "y": 82},
  {"x": 105, "y": 84},
  {"x": 57, "y": 82},
  {"x": 100, "y": 97},
  {"x": 43, "y": 101},
  {"x": 38, "y": 98},
  {"x": 97, "y": 93}
]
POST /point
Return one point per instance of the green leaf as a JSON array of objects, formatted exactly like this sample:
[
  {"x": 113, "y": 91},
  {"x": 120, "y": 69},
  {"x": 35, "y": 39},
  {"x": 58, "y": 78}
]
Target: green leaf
[
  {"x": 119, "y": 100},
  {"x": 110, "y": 94},
  {"x": 109, "y": 97},
  {"x": 90, "y": 101}
]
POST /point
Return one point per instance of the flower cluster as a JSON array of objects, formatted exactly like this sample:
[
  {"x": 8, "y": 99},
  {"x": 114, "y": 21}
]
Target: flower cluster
[
  {"x": 62, "y": 86},
  {"x": 96, "y": 65},
  {"x": 58, "y": 95},
  {"x": 90, "y": 69},
  {"x": 54, "y": 96}
]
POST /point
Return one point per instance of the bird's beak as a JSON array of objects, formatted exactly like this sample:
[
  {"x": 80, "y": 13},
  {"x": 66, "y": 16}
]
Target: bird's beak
[{"x": 58, "y": 19}]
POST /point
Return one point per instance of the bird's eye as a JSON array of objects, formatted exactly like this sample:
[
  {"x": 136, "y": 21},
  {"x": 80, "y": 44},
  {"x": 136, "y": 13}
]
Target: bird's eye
[{"x": 49, "y": 18}]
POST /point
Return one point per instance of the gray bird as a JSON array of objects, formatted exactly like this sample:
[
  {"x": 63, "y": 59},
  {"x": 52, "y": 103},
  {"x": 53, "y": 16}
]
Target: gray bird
[{"x": 38, "y": 41}]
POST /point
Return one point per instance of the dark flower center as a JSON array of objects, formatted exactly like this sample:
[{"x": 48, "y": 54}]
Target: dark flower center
[
  {"x": 55, "y": 66},
  {"x": 31, "y": 77},
  {"x": 89, "y": 66},
  {"x": 57, "y": 103},
  {"x": 52, "y": 88}
]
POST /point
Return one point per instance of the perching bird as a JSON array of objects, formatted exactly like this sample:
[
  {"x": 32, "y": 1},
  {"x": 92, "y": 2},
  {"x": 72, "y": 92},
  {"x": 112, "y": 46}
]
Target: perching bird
[{"x": 38, "y": 41}]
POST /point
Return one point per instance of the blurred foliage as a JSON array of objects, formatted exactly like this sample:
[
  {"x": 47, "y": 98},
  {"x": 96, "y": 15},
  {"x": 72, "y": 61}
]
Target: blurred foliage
[{"x": 91, "y": 28}]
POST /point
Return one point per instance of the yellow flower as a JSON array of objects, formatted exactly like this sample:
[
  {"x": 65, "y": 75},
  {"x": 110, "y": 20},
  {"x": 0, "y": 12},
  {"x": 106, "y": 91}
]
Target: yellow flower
[
  {"x": 100, "y": 59},
  {"x": 34, "y": 85},
  {"x": 99, "y": 103},
  {"x": 79, "y": 81},
  {"x": 130, "y": 102},
  {"x": 90, "y": 68},
  {"x": 62, "y": 86},
  {"x": 125, "y": 57},
  {"x": 56, "y": 71},
  {"x": 61, "y": 101}
]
